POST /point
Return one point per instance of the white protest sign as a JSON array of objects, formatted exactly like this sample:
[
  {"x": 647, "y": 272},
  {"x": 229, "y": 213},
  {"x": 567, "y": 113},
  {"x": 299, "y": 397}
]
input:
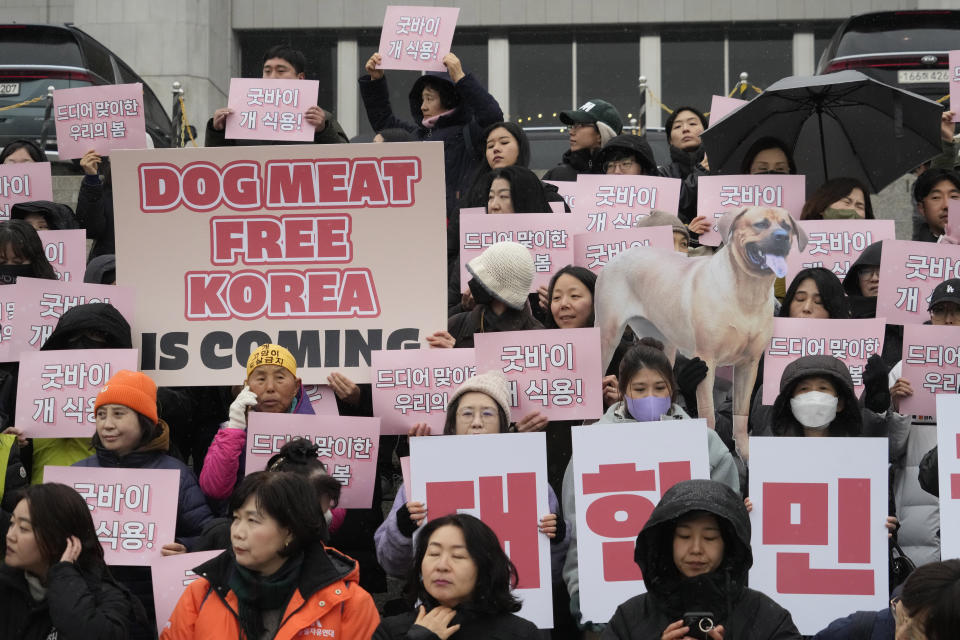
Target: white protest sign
[
  {"x": 501, "y": 479},
  {"x": 819, "y": 535},
  {"x": 620, "y": 473},
  {"x": 948, "y": 454}
]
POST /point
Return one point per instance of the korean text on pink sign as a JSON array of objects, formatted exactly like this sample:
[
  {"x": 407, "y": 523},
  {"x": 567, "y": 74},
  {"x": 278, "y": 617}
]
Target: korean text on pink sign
[
  {"x": 417, "y": 38},
  {"x": 101, "y": 117}
]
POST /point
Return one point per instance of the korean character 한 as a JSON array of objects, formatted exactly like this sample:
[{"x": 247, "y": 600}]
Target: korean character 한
[{"x": 361, "y": 448}]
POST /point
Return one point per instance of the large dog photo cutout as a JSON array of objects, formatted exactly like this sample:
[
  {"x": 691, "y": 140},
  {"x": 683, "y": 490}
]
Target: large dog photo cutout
[{"x": 718, "y": 308}]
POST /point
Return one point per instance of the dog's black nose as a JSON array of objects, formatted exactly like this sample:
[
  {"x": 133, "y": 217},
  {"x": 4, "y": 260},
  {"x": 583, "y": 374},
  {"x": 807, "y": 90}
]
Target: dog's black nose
[{"x": 779, "y": 242}]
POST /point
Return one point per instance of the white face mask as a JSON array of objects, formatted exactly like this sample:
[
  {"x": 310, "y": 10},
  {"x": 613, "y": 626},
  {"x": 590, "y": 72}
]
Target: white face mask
[
  {"x": 814, "y": 409},
  {"x": 328, "y": 516}
]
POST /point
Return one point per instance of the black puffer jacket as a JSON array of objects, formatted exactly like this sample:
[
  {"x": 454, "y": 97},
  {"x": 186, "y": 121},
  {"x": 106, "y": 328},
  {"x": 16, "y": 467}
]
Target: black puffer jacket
[
  {"x": 459, "y": 131},
  {"x": 473, "y": 626},
  {"x": 78, "y": 605},
  {"x": 95, "y": 214},
  {"x": 744, "y": 613},
  {"x": 636, "y": 145},
  {"x": 574, "y": 163},
  {"x": 849, "y": 421},
  {"x": 332, "y": 133},
  {"x": 686, "y": 166}
]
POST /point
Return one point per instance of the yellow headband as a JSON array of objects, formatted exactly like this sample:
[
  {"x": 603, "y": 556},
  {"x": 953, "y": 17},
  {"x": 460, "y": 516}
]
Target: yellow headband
[{"x": 271, "y": 354}]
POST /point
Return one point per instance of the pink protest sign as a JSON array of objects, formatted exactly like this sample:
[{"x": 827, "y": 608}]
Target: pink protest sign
[
  {"x": 720, "y": 106},
  {"x": 819, "y": 525},
  {"x": 471, "y": 211},
  {"x": 953, "y": 221},
  {"x": 606, "y": 202},
  {"x": 948, "y": 461},
  {"x": 836, "y": 244},
  {"x": 23, "y": 182},
  {"x": 134, "y": 510},
  {"x": 405, "y": 471},
  {"x": 500, "y": 478},
  {"x": 171, "y": 575},
  {"x": 266, "y": 109},
  {"x": 67, "y": 252},
  {"x": 414, "y": 386},
  {"x": 718, "y": 194},
  {"x": 594, "y": 250},
  {"x": 548, "y": 236},
  {"x": 348, "y": 447},
  {"x": 852, "y": 341},
  {"x": 322, "y": 398},
  {"x": 620, "y": 471},
  {"x": 101, "y": 117},
  {"x": 931, "y": 364},
  {"x": 567, "y": 190},
  {"x": 909, "y": 272},
  {"x": 38, "y": 305},
  {"x": 56, "y": 389},
  {"x": 954, "y": 70},
  {"x": 556, "y": 372},
  {"x": 417, "y": 38}
]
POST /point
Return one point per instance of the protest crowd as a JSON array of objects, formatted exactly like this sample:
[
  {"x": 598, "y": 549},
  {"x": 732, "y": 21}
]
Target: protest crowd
[{"x": 376, "y": 525}]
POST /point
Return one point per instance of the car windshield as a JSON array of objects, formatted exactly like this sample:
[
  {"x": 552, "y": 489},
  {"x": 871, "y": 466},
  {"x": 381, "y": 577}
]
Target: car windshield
[
  {"x": 892, "y": 33},
  {"x": 38, "y": 45}
]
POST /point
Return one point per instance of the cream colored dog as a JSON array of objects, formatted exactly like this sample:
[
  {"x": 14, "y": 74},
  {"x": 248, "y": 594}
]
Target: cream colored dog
[{"x": 719, "y": 307}]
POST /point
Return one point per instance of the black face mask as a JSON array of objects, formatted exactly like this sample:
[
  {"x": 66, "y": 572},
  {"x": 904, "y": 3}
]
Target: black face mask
[
  {"x": 769, "y": 173},
  {"x": 10, "y": 272},
  {"x": 480, "y": 294}
]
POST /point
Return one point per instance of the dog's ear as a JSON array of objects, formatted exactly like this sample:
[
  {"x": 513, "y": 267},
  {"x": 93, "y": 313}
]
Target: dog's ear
[
  {"x": 728, "y": 222},
  {"x": 799, "y": 233}
]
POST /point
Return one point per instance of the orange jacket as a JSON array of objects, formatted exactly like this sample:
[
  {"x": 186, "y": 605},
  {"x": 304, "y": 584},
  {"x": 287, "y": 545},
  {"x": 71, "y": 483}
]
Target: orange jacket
[{"x": 335, "y": 606}]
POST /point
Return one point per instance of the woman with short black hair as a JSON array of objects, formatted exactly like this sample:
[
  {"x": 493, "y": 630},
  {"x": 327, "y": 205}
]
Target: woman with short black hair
[
  {"x": 277, "y": 579},
  {"x": 464, "y": 582},
  {"x": 53, "y": 581}
]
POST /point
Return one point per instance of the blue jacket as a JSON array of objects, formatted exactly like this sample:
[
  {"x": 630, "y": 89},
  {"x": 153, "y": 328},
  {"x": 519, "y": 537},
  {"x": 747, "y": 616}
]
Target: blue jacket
[
  {"x": 459, "y": 131},
  {"x": 192, "y": 509},
  {"x": 861, "y": 625}
]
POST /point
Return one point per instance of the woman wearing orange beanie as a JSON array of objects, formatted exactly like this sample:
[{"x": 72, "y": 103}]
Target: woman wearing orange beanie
[{"x": 130, "y": 435}]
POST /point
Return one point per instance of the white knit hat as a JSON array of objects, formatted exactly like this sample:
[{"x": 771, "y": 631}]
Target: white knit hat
[
  {"x": 506, "y": 270},
  {"x": 492, "y": 383}
]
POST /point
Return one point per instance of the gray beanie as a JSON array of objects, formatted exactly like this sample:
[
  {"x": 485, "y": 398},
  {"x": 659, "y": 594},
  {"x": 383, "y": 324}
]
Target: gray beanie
[
  {"x": 659, "y": 218},
  {"x": 492, "y": 383},
  {"x": 506, "y": 270}
]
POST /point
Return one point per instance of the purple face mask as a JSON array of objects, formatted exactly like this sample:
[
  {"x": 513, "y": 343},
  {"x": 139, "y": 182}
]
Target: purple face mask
[{"x": 647, "y": 409}]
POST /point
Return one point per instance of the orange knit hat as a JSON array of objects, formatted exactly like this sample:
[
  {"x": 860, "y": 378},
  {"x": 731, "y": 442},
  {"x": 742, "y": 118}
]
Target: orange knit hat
[{"x": 131, "y": 389}]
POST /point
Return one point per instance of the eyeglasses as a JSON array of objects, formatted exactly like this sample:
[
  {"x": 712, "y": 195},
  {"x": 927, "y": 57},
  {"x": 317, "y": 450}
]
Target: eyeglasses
[
  {"x": 868, "y": 272},
  {"x": 623, "y": 165},
  {"x": 576, "y": 126},
  {"x": 487, "y": 416}
]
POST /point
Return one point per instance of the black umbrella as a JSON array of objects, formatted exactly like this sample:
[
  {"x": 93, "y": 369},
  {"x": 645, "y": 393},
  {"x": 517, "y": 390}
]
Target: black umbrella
[{"x": 843, "y": 124}]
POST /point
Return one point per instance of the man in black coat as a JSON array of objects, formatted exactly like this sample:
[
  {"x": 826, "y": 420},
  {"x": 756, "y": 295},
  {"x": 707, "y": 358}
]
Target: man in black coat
[{"x": 592, "y": 124}]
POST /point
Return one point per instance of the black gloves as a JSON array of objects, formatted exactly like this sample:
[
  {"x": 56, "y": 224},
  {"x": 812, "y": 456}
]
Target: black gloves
[{"x": 876, "y": 389}]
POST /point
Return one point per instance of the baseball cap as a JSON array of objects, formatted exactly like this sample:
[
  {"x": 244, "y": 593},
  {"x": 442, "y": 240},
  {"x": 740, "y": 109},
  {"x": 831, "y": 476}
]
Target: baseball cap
[
  {"x": 946, "y": 291},
  {"x": 594, "y": 111}
]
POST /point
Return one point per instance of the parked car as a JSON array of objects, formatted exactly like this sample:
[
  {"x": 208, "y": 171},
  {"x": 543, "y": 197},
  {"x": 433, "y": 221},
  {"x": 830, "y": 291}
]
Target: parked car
[
  {"x": 36, "y": 56},
  {"x": 905, "y": 49}
]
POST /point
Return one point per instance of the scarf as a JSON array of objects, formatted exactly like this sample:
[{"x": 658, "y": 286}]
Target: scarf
[
  {"x": 431, "y": 122},
  {"x": 256, "y": 594},
  {"x": 687, "y": 160}
]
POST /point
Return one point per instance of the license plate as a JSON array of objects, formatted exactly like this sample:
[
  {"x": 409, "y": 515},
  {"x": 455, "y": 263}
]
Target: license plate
[
  {"x": 923, "y": 75},
  {"x": 9, "y": 88}
]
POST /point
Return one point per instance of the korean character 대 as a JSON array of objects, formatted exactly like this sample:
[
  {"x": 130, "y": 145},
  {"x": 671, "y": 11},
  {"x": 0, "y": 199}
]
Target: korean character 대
[
  {"x": 118, "y": 129},
  {"x": 134, "y": 536},
  {"x": 109, "y": 496},
  {"x": 88, "y": 491},
  {"x": 290, "y": 121},
  {"x": 255, "y": 97},
  {"x": 538, "y": 391},
  {"x": 597, "y": 221},
  {"x": 342, "y": 473},
  {"x": 137, "y": 497},
  {"x": 541, "y": 263},
  {"x": 108, "y": 533},
  {"x": 730, "y": 195},
  {"x": 513, "y": 355},
  {"x": 563, "y": 391},
  {"x": 270, "y": 120},
  {"x": 908, "y": 298},
  {"x": 248, "y": 119}
]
